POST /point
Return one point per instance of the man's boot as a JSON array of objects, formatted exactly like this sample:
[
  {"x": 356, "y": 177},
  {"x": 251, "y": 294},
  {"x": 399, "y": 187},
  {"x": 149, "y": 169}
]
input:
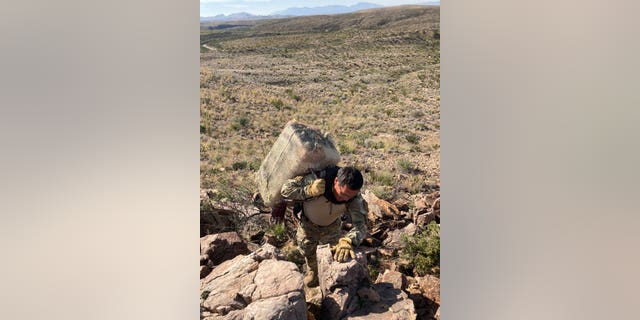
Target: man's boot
[{"x": 311, "y": 278}]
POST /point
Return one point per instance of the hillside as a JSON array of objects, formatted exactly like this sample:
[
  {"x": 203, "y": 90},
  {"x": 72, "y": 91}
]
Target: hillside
[{"x": 370, "y": 79}]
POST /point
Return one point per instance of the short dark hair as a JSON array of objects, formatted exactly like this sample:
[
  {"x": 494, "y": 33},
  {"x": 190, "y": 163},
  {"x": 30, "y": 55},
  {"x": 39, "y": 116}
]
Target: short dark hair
[{"x": 351, "y": 177}]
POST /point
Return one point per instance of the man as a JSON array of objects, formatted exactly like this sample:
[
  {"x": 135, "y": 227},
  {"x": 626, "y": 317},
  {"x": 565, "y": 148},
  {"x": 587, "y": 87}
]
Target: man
[{"x": 324, "y": 197}]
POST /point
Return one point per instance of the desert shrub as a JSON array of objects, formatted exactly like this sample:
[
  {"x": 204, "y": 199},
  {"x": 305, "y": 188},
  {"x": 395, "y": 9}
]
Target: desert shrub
[
  {"x": 406, "y": 165},
  {"x": 292, "y": 95},
  {"x": 239, "y": 165},
  {"x": 382, "y": 177},
  {"x": 412, "y": 138},
  {"x": 346, "y": 147},
  {"x": 383, "y": 192},
  {"x": 417, "y": 113},
  {"x": 239, "y": 122},
  {"x": 374, "y": 144},
  {"x": 277, "y": 103},
  {"x": 423, "y": 251},
  {"x": 413, "y": 185},
  {"x": 279, "y": 233}
]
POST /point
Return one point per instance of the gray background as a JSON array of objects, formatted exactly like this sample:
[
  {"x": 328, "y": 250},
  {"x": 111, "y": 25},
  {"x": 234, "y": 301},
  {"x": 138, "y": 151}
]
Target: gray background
[
  {"x": 100, "y": 160},
  {"x": 539, "y": 114},
  {"x": 99, "y": 178}
]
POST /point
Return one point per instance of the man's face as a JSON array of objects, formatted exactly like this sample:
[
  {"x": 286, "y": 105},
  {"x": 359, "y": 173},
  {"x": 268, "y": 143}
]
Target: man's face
[{"x": 342, "y": 192}]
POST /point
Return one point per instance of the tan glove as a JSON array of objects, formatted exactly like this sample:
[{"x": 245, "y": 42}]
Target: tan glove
[
  {"x": 316, "y": 188},
  {"x": 343, "y": 250}
]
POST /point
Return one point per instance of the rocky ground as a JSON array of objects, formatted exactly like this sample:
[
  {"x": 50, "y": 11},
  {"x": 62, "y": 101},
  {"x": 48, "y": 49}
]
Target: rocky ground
[{"x": 246, "y": 266}]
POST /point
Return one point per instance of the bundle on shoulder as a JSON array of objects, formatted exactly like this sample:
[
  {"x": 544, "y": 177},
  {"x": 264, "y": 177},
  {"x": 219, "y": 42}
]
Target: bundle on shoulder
[{"x": 298, "y": 149}]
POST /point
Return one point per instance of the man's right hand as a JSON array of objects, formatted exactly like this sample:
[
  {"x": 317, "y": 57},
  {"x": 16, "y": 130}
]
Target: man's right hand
[{"x": 316, "y": 188}]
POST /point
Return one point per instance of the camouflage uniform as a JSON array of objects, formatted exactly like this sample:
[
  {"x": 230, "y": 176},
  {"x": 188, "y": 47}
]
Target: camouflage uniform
[{"x": 310, "y": 234}]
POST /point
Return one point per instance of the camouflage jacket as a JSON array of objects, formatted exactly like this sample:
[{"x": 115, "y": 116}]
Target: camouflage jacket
[{"x": 294, "y": 189}]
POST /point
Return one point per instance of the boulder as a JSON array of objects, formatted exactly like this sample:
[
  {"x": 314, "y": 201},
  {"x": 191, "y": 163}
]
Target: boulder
[
  {"x": 394, "y": 238},
  {"x": 216, "y": 248},
  {"x": 334, "y": 274},
  {"x": 430, "y": 286},
  {"x": 427, "y": 209},
  {"x": 395, "y": 278},
  {"x": 349, "y": 294},
  {"x": 204, "y": 271},
  {"x": 216, "y": 220},
  {"x": 425, "y": 293},
  {"x": 288, "y": 306},
  {"x": 256, "y": 286},
  {"x": 423, "y": 219},
  {"x": 393, "y": 304},
  {"x": 379, "y": 209}
]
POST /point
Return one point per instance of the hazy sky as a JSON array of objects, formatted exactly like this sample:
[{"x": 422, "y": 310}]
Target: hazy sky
[{"x": 264, "y": 7}]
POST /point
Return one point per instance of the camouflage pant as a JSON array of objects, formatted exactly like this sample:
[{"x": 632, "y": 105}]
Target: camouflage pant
[{"x": 310, "y": 235}]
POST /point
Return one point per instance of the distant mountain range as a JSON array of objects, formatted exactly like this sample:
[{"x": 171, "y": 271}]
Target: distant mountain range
[
  {"x": 234, "y": 16},
  {"x": 326, "y": 9},
  {"x": 295, "y": 12}
]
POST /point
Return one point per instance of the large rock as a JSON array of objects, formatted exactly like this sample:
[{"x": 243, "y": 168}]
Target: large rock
[
  {"x": 334, "y": 274},
  {"x": 256, "y": 286},
  {"x": 217, "y": 248},
  {"x": 425, "y": 293},
  {"x": 393, "y": 304},
  {"x": 204, "y": 271},
  {"x": 395, "y": 278},
  {"x": 427, "y": 209},
  {"x": 349, "y": 294},
  {"x": 430, "y": 286},
  {"x": 379, "y": 209},
  {"x": 215, "y": 220},
  {"x": 394, "y": 238}
]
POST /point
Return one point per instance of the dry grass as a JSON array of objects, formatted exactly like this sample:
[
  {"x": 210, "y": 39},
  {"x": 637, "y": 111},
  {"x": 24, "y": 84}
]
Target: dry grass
[{"x": 371, "y": 79}]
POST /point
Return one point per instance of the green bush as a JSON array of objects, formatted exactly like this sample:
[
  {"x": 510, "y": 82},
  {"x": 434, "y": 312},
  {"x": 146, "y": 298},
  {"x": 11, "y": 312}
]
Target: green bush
[
  {"x": 406, "y": 165},
  {"x": 384, "y": 178},
  {"x": 412, "y": 138},
  {"x": 279, "y": 233},
  {"x": 292, "y": 95},
  {"x": 239, "y": 122},
  {"x": 383, "y": 192},
  {"x": 278, "y": 230},
  {"x": 277, "y": 103},
  {"x": 423, "y": 251},
  {"x": 345, "y": 148},
  {"x": 240, "y": 165}
]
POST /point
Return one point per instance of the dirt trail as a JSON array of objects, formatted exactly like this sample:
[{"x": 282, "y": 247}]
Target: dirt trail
[{"x": 208, "y": 47}]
